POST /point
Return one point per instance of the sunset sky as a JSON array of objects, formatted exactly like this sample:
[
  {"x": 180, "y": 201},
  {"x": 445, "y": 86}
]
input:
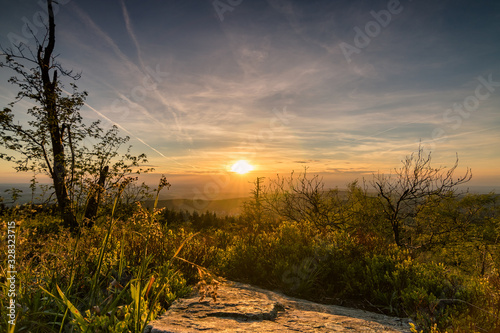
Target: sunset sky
[{"x": 345, "y": 88}]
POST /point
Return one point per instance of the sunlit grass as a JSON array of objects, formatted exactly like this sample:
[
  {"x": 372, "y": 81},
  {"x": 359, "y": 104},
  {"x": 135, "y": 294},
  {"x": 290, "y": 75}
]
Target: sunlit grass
[{"x": 127, "y": 269}]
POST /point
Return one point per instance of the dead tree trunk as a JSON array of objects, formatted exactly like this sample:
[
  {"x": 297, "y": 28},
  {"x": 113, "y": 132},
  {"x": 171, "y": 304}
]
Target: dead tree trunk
[
  {"x": 95, "y": 197},
  {"x": 58, "y": 170}
]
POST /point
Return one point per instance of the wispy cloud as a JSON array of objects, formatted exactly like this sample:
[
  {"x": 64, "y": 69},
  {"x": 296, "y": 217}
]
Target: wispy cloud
[
  {"x": 98, "y": 32},
  {"x": 226, "y": 78},
  {"x": 131, "y": 33}
]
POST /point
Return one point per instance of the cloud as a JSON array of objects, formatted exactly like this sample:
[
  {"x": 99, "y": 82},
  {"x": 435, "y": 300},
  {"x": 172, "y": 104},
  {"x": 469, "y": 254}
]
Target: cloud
[
  {"x": 131, "y": 33},
  {"x": 359, "y": 171},
  {"x": 95, "y": 30},
  {"x": 225, "y": 79}
]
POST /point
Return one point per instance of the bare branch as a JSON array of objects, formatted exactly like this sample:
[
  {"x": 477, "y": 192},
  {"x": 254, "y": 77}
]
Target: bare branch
[{"x": 414, "y": 183}]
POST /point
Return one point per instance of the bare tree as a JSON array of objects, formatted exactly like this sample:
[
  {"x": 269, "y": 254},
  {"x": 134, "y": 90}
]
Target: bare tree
[
  {"x": 305, "y": 198},
  {"x": 400, "y": 195}
]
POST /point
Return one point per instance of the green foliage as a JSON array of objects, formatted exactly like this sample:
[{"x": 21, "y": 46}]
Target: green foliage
[
  {"x": 124, "y": 270},
  {"x": 81, "y": 159},
  {"x": 415, "y": 249},
  {"x": 338, "y": 267},
  {"x": 359, "y": 265},
  {"x": 111, "y": 278}
]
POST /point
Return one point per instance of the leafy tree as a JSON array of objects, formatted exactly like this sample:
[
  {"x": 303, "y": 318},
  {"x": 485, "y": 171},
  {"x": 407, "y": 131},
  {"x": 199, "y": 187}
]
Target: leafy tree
[
  {"x": 53, "y": 141},
  {"x": 99, "y": 170},
  {"x": 15, "y": 194},
  {"x": 468, "y": 227},
  {"x": 401, "y": 195},
  {"x": 453, "y": 221}
]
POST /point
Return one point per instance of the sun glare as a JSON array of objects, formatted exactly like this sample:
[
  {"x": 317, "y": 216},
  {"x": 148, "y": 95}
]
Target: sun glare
[{"x": 241, "y": 167}]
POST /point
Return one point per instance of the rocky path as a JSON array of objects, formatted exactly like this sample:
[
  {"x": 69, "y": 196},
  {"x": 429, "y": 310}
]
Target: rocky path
[{"x": 244, "y": 308}]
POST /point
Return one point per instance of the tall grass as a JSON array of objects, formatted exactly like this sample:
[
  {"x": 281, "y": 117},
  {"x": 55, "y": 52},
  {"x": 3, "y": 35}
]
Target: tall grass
[
  {"x": 121, "y": 273},
  {"x": 110, "y": 278}
]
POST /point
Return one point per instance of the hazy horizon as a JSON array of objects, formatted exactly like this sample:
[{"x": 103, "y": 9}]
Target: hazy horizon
[{"x": 196, "y": 192}]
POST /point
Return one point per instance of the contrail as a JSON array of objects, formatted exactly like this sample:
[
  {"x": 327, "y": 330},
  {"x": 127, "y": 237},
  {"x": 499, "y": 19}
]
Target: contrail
[
  {"x": 131, "y": 33},
  {"x": 125, "y": 130}
]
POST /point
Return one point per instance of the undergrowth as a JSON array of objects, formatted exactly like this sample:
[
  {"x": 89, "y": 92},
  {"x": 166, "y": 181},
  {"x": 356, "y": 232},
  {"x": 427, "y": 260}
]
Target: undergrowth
[{"x": 120, "y": 274}]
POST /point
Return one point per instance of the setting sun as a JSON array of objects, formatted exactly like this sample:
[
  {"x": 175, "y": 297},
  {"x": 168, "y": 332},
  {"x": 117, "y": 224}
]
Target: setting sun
[{"x": 241, "y": 167}]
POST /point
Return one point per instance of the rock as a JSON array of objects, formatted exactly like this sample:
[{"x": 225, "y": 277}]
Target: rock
[{"x": 244, "y": 308}]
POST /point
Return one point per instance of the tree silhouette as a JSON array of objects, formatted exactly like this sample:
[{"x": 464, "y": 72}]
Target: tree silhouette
[
  {"x": 400, "y": 196},
  {"x": 52, "y": 142}
]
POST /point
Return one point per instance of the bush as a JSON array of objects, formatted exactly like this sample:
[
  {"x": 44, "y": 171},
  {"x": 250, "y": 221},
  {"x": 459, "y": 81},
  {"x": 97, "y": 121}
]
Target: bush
[
  {"x": 119, "y": 274},
  {"x": 336, "y": 267},
  {"x": 93, "y": 275}
]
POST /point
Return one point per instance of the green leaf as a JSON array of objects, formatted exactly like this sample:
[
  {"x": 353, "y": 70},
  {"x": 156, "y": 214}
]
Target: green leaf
[{"x": 78, "y": 316}]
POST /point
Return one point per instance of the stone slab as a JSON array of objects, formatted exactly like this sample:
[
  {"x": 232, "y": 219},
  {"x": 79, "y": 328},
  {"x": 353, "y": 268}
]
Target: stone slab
[{"x": 244, "y": 308}]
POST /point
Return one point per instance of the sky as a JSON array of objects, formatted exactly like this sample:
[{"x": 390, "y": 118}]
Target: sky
[{"x": 343, "y": 88}]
